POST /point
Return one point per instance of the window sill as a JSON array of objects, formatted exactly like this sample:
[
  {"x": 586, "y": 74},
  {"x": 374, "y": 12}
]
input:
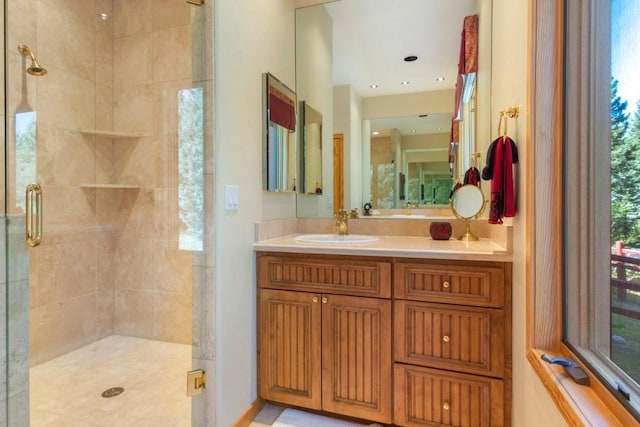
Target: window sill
[{"x": 580, "y": 405}]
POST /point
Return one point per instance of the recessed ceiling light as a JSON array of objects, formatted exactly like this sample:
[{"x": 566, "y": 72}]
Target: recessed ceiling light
[
  {"x": 404, "y": 83},
  {"x": 375, "y": 133},
  {"x": 410, "y": 58},
  {"x": 413, "y": 131},
  {"x": 103, "y": 15},
  {"x": 439, "y": 79},
  {"x": 373, "y": 86}
]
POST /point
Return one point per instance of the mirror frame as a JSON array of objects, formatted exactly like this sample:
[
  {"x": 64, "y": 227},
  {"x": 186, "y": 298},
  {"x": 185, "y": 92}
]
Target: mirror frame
[
  {"x": 279, "y": 151},
  {"x": 455, "y": 196}
]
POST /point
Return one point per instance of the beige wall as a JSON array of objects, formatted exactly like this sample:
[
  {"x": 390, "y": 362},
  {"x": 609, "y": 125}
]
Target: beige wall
[
  {"x": 347, "y": 111},
  {"x": 532, "y": 405},
  {"x": 251, "y": 37},
  {"x": 314, "y": 84}
]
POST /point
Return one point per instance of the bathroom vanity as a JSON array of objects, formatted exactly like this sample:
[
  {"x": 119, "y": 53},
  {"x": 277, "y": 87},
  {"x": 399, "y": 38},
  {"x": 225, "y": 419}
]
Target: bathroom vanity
[{"x": 405, "y": 330}]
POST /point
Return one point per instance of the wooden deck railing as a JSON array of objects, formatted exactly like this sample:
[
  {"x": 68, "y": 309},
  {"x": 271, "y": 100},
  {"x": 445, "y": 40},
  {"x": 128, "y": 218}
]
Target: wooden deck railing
[{"x": 625, "y": 267}]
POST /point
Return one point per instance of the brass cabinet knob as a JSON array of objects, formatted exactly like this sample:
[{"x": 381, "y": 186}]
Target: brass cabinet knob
[
  {"x": 446, "y": 284},
  {"x": 324, "y": 300},
  {"x": 445, "y": 406},
  {"x": 445, "y": 338},
  {"x": 314, "y": 299}
]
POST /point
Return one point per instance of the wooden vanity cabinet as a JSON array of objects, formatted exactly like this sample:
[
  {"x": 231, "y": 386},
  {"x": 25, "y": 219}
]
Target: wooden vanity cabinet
[
  {"x": 325, "y": 338},
  {"x": 326, "y": 344},
  {"x": 452, "y": 349}
]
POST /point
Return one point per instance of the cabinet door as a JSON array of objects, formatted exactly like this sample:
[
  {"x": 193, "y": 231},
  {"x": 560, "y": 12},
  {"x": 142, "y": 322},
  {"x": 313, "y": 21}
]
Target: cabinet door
[
  {"x": 356, "y": 357},
  {"x": 432, "y": 397},
  {"x": 289, "y": 348}
]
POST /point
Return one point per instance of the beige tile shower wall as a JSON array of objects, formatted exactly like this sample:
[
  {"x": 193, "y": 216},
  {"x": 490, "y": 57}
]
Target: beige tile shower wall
[
  {"x": 152, "y": 62},
  {"x": 67, "y": 309}
]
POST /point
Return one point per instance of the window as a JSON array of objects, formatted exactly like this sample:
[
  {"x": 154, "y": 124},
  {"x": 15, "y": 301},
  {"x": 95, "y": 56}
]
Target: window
[
  {"x": 25, "y": 155},
  {"x": 190, "y": 168},
  {"x": 601, "y": 192}
]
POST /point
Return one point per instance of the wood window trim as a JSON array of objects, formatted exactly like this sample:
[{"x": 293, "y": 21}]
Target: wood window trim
[{"x": 580, "y": 405}]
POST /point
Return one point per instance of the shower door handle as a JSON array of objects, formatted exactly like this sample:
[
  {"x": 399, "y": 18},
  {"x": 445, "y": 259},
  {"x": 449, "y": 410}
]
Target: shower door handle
[{"x": 33, "y": 223}]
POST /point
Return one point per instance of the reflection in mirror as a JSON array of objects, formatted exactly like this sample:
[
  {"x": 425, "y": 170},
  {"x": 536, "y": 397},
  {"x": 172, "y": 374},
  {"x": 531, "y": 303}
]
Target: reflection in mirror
[
  {"x": 428, "y": 183},
  {"x": 417, "y": 148},
  {"x": 467, "y": 202},
  {"x": 349, "y": 63},
  {"x": 310, "y": 150},
  {"x": 279, "y": 141}
]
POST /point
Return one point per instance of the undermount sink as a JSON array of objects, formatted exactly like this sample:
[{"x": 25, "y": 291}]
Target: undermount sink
[
  {"x": 417, "y": 216},
  {"x": 335, "y": 239}
]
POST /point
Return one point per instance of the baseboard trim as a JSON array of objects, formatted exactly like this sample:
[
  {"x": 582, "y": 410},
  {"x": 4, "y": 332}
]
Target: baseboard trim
[{"x": 251, "y": 412}]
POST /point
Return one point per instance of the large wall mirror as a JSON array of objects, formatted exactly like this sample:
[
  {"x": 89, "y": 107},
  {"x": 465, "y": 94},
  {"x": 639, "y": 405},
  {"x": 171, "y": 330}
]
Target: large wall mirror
[{"x": 393, "y": 114}]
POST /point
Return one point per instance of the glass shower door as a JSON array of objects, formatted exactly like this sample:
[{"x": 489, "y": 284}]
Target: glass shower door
[{"x": 105, "y": 203}]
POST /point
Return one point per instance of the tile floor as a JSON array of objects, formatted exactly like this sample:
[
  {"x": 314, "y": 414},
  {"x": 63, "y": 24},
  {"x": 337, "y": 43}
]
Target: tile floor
[
  {"x": 267, "y": 415},
  {"x": 66, "y": 392},
  {"x": 271, "y": 411}
]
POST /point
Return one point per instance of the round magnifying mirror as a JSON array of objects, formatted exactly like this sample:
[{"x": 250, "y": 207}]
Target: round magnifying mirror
[{"x": 467, "y": 202}]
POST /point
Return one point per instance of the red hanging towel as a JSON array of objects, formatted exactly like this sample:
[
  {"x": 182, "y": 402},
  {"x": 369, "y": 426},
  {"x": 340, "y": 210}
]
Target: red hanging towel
[
  {"x": 503, "y": 202},
  {"x": 472, "y": 176},
  {"x": 509, "y": 198}
]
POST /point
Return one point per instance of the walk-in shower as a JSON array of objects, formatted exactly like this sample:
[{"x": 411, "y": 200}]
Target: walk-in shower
[{"x": 119, "y": 157}]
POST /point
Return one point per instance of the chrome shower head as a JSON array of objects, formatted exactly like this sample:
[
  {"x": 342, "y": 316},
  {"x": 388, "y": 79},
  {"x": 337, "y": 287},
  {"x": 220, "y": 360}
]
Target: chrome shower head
[{"x": 34, "y": 69}]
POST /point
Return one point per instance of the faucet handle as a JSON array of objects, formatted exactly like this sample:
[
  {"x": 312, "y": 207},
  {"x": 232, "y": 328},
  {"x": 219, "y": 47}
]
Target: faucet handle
[
  {"x": 342, "y": 214},
  {"x": 354, "y": 213}
]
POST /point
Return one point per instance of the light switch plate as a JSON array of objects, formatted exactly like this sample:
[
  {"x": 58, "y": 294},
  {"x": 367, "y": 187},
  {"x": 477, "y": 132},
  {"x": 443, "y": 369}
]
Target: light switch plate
[{"x": 231, "y": 196}]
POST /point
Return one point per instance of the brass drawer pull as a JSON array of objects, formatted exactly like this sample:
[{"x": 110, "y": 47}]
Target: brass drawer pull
[
  {"x": 446, "y": 285},
  {"x": 314, "y": 299},
  {"x": 324, "y": 300},
  {"x": 445, "y": 338},
  {"x": 445, "y": 406}
]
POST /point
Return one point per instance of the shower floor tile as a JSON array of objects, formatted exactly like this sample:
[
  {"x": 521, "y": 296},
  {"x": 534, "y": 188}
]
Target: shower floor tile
[{"x": 66, "y": 391}]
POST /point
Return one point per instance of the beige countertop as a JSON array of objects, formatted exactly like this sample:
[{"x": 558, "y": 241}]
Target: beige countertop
[{"x": 394, "y": 246}]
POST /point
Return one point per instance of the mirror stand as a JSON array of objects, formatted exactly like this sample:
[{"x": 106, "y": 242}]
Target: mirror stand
[
  {"x": 468, "y": 236},
  {"x": 467, "y": 203}
]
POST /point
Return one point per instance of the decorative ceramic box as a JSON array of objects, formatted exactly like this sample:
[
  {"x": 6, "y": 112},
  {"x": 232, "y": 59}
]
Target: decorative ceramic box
[{"x": 440, "y": 230}]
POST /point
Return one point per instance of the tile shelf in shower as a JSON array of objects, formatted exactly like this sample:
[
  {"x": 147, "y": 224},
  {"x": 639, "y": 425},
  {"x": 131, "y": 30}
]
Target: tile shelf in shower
[{"x": 111, "y": 134}]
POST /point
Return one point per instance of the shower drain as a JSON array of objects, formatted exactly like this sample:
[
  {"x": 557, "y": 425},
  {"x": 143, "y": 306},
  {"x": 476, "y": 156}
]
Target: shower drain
[{"x": 112, "y": 392}]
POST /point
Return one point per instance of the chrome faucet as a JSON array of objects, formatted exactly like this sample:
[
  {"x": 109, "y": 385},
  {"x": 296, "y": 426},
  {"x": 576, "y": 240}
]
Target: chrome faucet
[{"x": 342, "y": 222}]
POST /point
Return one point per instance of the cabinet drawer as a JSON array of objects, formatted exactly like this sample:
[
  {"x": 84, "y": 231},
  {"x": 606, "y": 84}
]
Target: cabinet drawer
[
  {"x": 468, "y": 339},
  {"x": 481, "y": 285},
  {"x": 343, "y": 275},
  {"x": 426, "y": 396}
]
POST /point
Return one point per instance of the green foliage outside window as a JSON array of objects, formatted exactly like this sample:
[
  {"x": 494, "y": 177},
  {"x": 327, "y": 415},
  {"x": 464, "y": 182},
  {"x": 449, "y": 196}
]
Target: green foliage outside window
[
  {"x": 625, "y": 172},
  {"x": 190, "y": 168}
]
